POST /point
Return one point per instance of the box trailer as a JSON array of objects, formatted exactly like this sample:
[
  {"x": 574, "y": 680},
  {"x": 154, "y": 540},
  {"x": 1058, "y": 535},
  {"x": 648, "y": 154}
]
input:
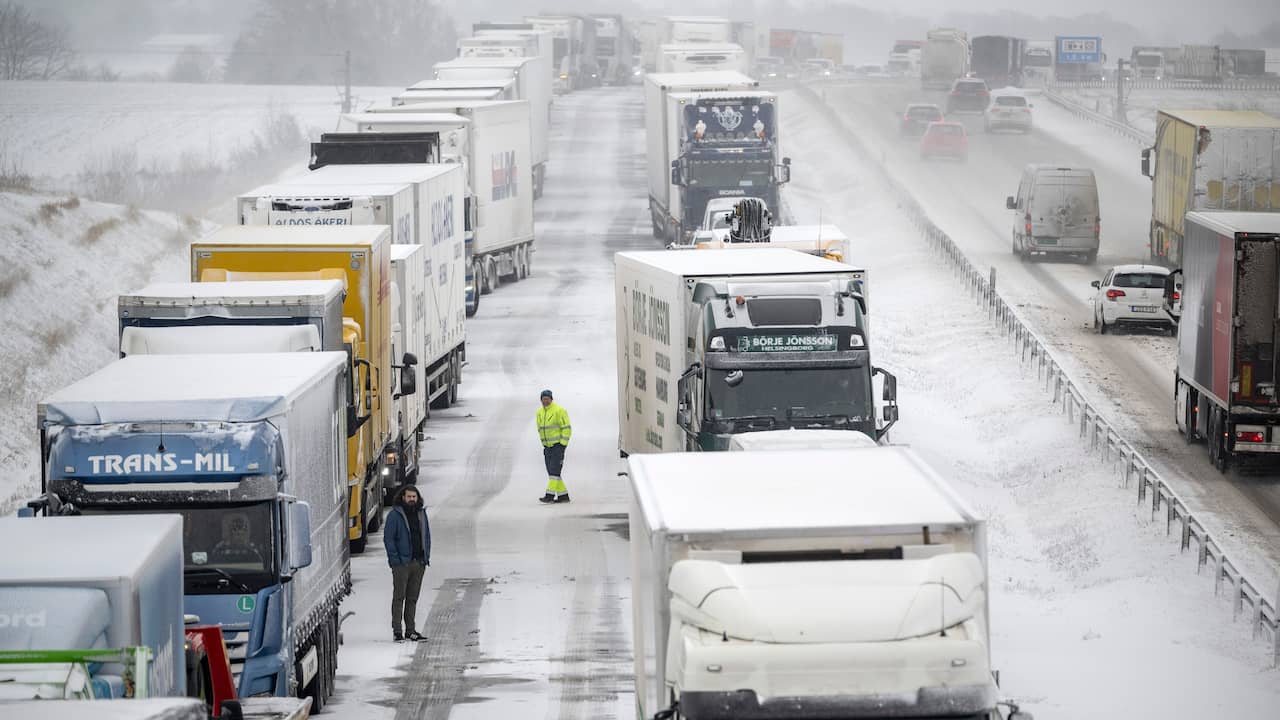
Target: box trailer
[
  {"x": 694, "y": 29},
  {"x": 532, "y": 83},
  {"x": 358, "y": 255},
  {"x": 944, "y": 57},
  {"x": 411, "y": 333},
  {"x": 1209, "y": 160},
  {"x": 702, "y": 57},
  {"x": 859, "y": 590},
  {"x": 492, "y": 144},
  {"x": 1228, "y": 338}
]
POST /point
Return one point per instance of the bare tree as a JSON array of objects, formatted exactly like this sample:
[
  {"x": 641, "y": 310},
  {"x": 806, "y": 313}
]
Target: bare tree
[{"x": 30, "y": 49}]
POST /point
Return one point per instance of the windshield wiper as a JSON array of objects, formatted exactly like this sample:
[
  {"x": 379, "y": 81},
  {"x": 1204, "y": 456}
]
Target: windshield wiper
[
  {"x": 818, "y": 420},
  {"x": 751, "y": 420},
  {"x": 220, "y": 573}
]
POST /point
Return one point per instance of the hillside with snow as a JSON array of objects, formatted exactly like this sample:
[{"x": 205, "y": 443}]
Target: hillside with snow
[{"x": 63, "y": 261}]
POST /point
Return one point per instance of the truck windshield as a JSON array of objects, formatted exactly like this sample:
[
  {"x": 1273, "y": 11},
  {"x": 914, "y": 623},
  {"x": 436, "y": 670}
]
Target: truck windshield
[
  {"x": 800, "y": 397},
  {"x": 1149, "y": 60},
  {"x": 731, "y": 174},
  {"x": 226, "y": 549}
]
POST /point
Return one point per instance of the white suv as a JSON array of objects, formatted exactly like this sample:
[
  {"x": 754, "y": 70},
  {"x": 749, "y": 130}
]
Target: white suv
[
  {"x": 1132, "y": 295},
  {"x": 1008, "y": 111}
]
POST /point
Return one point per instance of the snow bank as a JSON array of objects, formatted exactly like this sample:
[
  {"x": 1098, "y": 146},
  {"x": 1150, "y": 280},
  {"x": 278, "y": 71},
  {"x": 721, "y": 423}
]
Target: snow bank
[{"x": 59, "y": 279}]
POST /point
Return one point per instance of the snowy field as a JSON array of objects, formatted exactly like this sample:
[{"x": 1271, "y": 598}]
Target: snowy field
[{"x": 55, "y": 130}]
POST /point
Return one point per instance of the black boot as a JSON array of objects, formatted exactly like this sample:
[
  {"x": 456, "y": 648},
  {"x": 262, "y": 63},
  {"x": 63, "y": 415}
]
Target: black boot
[
  {"x": 563, "y": 498},
  {"x": 548, "y": 498}
]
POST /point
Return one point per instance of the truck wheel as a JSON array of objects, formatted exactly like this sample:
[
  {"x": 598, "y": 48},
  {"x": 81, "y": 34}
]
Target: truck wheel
[
  {"x": 1091, "y": 257},
  {"x": 455, "y": 377},
  {"x": 316, "y": 690},
  {"x": 474, "y": 306}
]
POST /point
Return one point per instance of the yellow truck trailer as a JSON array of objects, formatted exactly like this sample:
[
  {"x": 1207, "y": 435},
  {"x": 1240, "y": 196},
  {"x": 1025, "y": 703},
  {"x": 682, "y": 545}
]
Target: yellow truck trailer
[
  {"x": 1209, "y": 160},
  {"x": 359, "y": 255}
]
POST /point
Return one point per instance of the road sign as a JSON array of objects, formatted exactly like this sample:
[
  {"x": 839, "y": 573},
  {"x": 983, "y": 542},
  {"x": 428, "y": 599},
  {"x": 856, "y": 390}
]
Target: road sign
[{"x": 1079, "y": 50}]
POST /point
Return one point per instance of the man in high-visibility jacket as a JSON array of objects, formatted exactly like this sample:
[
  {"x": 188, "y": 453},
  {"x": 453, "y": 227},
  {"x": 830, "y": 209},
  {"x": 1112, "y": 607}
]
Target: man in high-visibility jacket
[{"x": 553, "y": 431}]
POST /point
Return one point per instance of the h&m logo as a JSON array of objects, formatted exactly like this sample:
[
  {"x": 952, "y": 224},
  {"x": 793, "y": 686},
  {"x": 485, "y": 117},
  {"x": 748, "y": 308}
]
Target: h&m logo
[{"x": 505, "y": 175}]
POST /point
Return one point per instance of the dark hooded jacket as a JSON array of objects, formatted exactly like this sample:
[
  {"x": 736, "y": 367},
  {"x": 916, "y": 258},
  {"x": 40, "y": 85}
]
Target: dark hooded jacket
[{"x": 397, "y": 536}]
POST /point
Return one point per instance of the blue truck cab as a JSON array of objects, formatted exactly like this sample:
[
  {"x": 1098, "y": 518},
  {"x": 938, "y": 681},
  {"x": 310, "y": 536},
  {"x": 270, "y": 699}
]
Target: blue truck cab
[{"x": 249, "y": 449}]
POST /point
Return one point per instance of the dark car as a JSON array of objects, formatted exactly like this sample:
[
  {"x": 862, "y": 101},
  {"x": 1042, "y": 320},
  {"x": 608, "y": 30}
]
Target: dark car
[
  {"x": 917, "y": 117},
  {"x": 968, "y": 95}
]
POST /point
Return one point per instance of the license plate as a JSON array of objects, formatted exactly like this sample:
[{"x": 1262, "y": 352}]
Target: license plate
[{"x": 1143, "y": 308}]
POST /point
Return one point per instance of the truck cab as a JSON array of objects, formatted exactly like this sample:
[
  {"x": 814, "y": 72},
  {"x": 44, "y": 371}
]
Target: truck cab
[{"x": 770, "y": 356}]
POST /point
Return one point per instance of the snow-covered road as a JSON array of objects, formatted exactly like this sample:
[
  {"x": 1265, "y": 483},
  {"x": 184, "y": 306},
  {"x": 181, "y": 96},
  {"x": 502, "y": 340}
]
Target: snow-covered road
[
  {"x": 528, "y": 613},
  {"x": 1130, "y": 375}
]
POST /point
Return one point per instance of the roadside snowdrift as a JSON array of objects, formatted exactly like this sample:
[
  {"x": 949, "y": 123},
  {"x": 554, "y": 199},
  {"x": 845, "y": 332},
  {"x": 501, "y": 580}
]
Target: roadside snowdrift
[{"x": 63, "y": 261}]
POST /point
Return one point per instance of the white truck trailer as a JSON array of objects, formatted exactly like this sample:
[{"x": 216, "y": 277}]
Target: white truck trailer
[
  {"x": 187, "y": 318},
  {"x": 944, "y": 57},
  {"x": 694, "y": 29},
  {"x": 424, "y": 205},
  {"x": 702, "y": 57},
  {"x": 857, "y": 590},
  {"x": 411, "y": 332},
  {"x": 662, "y": 141},
  {"x": 532, "y": 83},
  {"x": 491, "y": 141},
  {"x": 436, "y": 90},
  {"x": 711, "y": 343}
]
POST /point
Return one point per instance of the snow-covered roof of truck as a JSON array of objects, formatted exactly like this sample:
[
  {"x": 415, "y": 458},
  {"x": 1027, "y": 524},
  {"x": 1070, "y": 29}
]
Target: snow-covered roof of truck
[
  {"x": 88, "y": 547},
  {"x": 476, "y": 84},
  {"x": 326, "y": 235},
  {"x": 1234, "y": 222},
  {"x": 236, "y": 292},
  {"x": 306, "y": 187},
  {"x": 400, "y": 251},
  {"x": 366, "y": 179},
  {"x": 410, "y": 118},
  {"x": 497, "y": 63},
  {"x": 726, "y": 95},
  {"x": 736, "y": 261},
  {"x": 793, "y": 490},
  {"x": 678, "y": 82},
  {"x": 417, "y": 95},
  {"x": 186, "y": 388},
  {"x": 1226, "y": 118},
  {"x": 857, "y": 601}
]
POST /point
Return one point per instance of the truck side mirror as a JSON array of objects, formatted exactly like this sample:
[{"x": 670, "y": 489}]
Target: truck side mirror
[
  {"x": 1010, "y": 203},
  {"x": 1146, "y": 162},
  {"x": 368, "y": 390},
  {"x": 675, "y": 173},
  {"x": 408, "y": 378},
  {"x": 299, "y": 535},
  {"x": 782, "y": 173},
  {"x": 410, "y": 359}
]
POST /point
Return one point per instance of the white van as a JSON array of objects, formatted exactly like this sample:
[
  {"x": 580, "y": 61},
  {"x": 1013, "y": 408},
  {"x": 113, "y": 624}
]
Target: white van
[{"x": 1057, "y": 212}]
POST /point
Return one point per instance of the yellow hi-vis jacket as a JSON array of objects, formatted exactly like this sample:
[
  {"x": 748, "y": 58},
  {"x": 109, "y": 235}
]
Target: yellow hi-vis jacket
[{"x": 553, "y": 425}]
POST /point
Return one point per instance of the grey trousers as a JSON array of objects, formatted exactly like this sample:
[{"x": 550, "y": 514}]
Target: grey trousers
[{"x": 406, "y": 584}]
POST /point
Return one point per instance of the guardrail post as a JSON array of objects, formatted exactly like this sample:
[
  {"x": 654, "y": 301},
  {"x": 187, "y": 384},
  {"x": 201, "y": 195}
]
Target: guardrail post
[
  {"x": 1142, "y": 483},
  {"x": 1186, "y": 531},
  {"x": 1237, "y": 603},
  {"x": 1217, "y": 577}
]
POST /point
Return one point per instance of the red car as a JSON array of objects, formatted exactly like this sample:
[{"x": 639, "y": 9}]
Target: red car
[{"x": 945, "y": 139}]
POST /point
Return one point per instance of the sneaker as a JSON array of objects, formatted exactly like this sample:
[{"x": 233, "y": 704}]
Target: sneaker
[
  {"x": 548, "y": 498},
  {"x": 398, "y": 638},
  {"x": 563, "y": 498},
  {"x": 414, "y": 637}
]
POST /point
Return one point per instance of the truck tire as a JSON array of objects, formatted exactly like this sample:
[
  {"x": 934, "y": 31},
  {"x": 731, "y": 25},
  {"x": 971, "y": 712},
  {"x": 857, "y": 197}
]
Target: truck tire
[
  {"x": 474, "y": 307},
  {"x": 316, "y": 688},
  {"x": 455, "y": 376}
]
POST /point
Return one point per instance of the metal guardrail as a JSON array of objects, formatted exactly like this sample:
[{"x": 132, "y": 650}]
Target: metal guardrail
[
  {"x": 1124, "y": 130},
  {"x": 1238, "y": 84},
  {"x": 1093, "y": 428}
]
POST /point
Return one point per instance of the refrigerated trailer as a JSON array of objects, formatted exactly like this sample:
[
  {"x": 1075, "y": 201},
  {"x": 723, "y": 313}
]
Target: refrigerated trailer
[{"x": 1229, "y": 334}]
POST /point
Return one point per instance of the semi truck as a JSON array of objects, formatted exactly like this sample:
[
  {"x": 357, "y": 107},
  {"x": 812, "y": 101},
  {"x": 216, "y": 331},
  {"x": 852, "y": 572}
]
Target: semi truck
[
  {"x": 1208, "y": 160},
  {"x": 614, "y": 49},
  {"x": 702, "y": 57},
  {"x": 716, "y": 342},
  {"x": 491, "y": 142},
  {"x": 423, "y": 205},
  {"x": 190, "y": 318},
  {"x": 998, "y": 60},
  {"x": 412, "y": 332},
  {"x": 944, "y": 57},
  {"x": 359, "y": 255},
  {"x": 808, "y": 584},
  {"x": 670, "y": 218},
  {"x": 122, "y": 599},
  {"x": 573, "y": 58},
  {"x": 681, "y": 29},
  {"x": 1037, "y": 61},
  {"x": 1228, "y": 364},
  {"x": 1148, "y": 63},
  {"x": 250, "y": 450},
  {"x": 904, "y": 58},
  {"x": 532, "y": 84}
]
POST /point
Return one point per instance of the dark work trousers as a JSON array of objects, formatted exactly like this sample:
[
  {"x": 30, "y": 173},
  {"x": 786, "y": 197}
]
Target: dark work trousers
[
  {"x": 406, "y": 584},
  {"x": 554, "y": 458}
]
